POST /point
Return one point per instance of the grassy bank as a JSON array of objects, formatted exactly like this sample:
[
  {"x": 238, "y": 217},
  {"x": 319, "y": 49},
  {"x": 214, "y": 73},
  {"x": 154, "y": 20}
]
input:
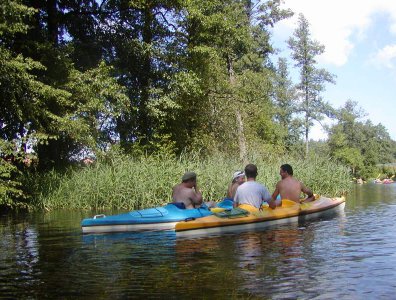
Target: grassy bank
[{"x": 132, "y": 183}]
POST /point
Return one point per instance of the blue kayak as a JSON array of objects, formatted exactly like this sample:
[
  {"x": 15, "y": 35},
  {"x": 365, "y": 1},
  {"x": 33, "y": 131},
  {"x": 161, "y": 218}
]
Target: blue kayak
[{"x": 157, "y": 218}]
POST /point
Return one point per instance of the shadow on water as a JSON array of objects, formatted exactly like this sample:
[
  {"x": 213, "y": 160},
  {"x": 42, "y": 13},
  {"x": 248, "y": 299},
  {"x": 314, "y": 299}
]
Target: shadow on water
[{"x": 348, "y": 256}]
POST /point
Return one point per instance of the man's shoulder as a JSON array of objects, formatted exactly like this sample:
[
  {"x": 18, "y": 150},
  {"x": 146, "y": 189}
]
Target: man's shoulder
[
  {"x": 289, "y": 179},
  {"x": 254, "y": 184},
  {"x": 182, "y": 189},
  {"x": 178, "y": 187},
  {"x": 249, "y": 184},
  {"x": 290, "y": 182}
]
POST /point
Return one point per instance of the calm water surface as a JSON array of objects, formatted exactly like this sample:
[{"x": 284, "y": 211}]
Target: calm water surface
[{"x": 350, "y": 256}]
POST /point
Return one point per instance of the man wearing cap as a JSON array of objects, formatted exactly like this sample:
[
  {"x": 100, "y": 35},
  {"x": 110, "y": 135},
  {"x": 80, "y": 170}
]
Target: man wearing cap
[
  {"x": 186, "y": 192},
  {"x": 237, "y": 179},
  {"x": 251, "y": 193}
]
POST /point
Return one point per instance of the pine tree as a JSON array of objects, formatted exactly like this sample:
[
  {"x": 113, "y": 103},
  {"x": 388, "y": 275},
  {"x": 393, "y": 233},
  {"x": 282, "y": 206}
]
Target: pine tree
[{"x": 312, "y": 80}]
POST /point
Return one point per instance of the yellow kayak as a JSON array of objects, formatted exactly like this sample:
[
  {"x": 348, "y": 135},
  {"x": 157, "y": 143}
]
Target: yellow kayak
[{"x": 246, "y": 217}]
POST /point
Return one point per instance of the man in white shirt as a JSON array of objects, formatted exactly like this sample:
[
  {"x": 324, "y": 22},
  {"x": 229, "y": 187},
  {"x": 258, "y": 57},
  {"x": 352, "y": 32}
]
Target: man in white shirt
[{"x": 251, "y": 192}]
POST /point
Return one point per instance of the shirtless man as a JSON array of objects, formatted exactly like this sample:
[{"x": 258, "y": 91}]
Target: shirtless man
[
  {"x": 290, "y": 188},
  {"x": 187, "y": 191}
]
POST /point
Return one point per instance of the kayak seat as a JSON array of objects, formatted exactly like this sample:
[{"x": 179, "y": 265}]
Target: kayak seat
[
  {"x": 232, "y": 213},
  {"x": 288, "y": 203},
  {"x": 179, "y": 205},
  {"x": 225, "y": 203}
]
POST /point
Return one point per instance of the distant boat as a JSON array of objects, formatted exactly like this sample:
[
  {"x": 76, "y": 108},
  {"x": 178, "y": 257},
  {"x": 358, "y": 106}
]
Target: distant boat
[{"x": 385, "y": 181}]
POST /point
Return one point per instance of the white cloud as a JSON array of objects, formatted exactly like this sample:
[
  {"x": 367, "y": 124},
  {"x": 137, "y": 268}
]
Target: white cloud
[
  {"x": 337, "y": 24},
  {"x": 386, "y": 56}
]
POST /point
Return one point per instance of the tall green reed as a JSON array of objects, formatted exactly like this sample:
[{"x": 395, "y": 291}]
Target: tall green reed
[{"x": 131, "y": 183}]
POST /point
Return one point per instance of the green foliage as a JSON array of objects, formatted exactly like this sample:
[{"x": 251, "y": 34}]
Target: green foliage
[
  {"x": 286, "y": 106},
  {"x": 97, "y": 101},
  {"x": 119, "y": 181},
  {"x": 10, "y": 189},
  {"x": 387, "y": 170},
  {"x": 312, "y": 80},
  {"x": 12, "y": 15},
  {"x": 163, "y": 78},
  {"x": 13, "y": 194},
  {"x": 350, "y": 157},
  {"x": 360, "y": 145}
]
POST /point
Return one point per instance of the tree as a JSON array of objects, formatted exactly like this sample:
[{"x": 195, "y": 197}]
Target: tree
[
  {"x": 227, "y": 45},
  {"x": 360, "y": 145},
  {"x": 17, "y": 85},
  {"x": 137, "y": 39},
  {"x": 285, "y": 100},
  {"x": 312, "y": 80},
  {"x": 44, "y": 105}
]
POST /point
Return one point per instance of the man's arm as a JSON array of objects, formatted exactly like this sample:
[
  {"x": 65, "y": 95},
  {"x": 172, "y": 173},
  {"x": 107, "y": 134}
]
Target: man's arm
[
  {"x": 272, "y": 203},
  {"x": 266, "y": 196},
  {"x": 174, "y": 193},
  {"x": 196, "y": 197},
  {"x": 236, "y": 199},
  {"x": 308, "y": 192}
]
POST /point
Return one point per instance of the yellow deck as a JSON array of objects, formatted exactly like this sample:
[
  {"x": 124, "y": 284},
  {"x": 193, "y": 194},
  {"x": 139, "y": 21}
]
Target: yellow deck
[{"x": 287, "y": 210}]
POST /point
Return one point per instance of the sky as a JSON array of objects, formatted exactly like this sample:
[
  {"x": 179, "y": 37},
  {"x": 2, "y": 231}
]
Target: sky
[{"x": 360, "y": 50}]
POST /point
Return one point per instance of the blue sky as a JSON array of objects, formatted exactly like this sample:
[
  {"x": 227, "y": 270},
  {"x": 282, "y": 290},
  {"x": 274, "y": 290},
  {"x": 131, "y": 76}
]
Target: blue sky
[{"x": 360, "y": 41}]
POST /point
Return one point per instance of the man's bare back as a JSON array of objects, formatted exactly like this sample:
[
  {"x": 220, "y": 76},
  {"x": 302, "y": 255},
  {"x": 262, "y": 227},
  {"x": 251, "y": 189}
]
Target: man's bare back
[
  {"x": 187, "y": 192},
  {"x": 188, "y": 196},
  {"x": 289, "y": 187}
]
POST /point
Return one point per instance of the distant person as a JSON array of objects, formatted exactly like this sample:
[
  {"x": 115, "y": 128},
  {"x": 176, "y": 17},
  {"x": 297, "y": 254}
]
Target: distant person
[
  {"x": 237, "y": 179},
  {"x": 251, "y": 192},
  {"x": 186, "y": 194},
  {"x": 290, "y": 188}
]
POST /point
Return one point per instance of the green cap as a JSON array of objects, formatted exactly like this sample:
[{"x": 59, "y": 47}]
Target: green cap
[{"x": 189, "y": 175}]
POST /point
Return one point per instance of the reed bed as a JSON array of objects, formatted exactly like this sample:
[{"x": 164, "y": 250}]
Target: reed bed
[{"x": 134, "y": 183}]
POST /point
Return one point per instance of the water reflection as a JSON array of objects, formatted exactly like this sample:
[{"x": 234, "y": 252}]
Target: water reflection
[
  {"x": 350, "y": 256},
  {"x": 19, "y": 258}
]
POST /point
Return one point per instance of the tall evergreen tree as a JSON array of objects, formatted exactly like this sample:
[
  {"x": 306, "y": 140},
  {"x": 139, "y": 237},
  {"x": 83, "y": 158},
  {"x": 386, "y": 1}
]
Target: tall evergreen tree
[
  {"x": 285, "y": 100},
  {"x": 312, "y": 80}
]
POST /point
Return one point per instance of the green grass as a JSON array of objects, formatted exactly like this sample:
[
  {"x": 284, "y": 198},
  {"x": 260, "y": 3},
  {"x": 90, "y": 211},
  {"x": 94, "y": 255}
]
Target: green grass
[{"x": 133, "y": 183}]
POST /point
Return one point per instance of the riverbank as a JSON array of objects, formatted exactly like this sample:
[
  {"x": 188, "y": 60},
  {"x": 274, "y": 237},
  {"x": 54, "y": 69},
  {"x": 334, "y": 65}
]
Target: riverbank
[{"x": 131, "y": 183}]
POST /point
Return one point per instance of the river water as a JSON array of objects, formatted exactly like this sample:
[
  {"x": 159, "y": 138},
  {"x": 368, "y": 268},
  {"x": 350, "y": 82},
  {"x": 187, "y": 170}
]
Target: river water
[{"x": 349, "y": 256}]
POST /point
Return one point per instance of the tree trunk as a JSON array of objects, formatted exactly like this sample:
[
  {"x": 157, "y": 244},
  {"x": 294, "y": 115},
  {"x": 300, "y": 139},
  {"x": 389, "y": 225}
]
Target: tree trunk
[
  {"x": 306, "y": 139},
  {"x": 52, "y": 22},
  {"x": 306, "y": 121},
  {"x": 238, "y": 115},
  {"x": 241, "y": 138},
  {"x": 147, "y": 35}
]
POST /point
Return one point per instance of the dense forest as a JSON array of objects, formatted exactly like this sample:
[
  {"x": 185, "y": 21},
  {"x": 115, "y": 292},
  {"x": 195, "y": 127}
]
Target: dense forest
[{"x": 84, "y": 79}]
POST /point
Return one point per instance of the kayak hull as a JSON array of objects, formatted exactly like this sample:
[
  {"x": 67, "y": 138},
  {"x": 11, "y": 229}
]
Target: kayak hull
[
  {"x": 159, "y": 226},
  {"x": 201, "y": 221},
  {"x": 158, "y": 218},
  {"x": 290, "y": 212}
]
